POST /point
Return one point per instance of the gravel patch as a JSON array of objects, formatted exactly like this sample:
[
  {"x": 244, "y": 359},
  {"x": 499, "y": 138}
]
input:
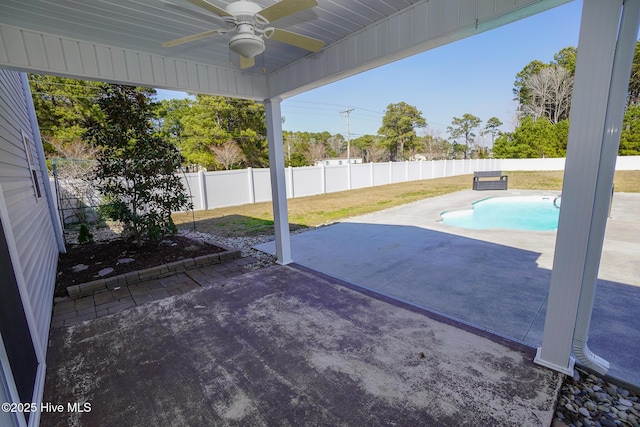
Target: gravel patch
[
  {"x": 244, "y": 244},
  {"x": 587, "y": 400}
]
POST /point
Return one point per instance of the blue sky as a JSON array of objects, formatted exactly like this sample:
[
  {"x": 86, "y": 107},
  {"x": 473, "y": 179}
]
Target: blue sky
[{"x": 474, "y": 75}]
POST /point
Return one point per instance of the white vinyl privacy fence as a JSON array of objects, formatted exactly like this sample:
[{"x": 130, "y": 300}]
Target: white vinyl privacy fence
[
  {"x": 211, "y": 190},
  {"x": 236, "y": 187}
]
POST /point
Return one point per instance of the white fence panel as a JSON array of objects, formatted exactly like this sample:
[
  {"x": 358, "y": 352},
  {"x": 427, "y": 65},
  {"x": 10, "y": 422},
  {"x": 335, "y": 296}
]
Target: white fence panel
[
  {"x": 467, "y": 166},
  {"x": 192, "y": 185},
  {"x": 336, "y": 178},
  {"x": 262, "y": 185},
  {"x": 449, "y": 168},
  {"x": 554, "y": 164},
  {"x": 414, "y": 171},
  {"x": 398, "y": 172},
  {"x": 361, "y": 175},
  {"x": 307, "y": 181},
  {"x": 437, "y": 169},
  {"x": 628, "y": 163},
  {"x": 226, "y": 188},
  {"x": 381, "y": 175}
]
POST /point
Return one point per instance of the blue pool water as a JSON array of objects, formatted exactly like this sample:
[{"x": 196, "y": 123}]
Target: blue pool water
[{"x": 516, "y": 213}]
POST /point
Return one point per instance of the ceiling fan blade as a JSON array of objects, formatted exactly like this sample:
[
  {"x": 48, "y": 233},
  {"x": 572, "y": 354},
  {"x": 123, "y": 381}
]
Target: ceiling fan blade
[
  {"x": 285, "y": 8},
  {"x": 192, "y": 37},
  {"x": 246, "y": 62},
  {"x": 295, "y": 39},
  {"x": 210, "y": 7}
]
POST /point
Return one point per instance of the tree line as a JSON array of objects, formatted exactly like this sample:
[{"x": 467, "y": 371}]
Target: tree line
[
  {"x": 214, "y": 132},
  {"x": 543, "y": 92}
]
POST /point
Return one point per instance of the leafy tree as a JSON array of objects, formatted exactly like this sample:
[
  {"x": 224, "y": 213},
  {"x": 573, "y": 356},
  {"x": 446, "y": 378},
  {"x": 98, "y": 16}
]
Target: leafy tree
[
  {"x": 520, "y": 91},
  {"x": 306, "y": 148},
  {"x": 169, "y": 115},
  {"x": 62, "y": 106},
  {"x": 136, "y": 168},
  {"x": 491, "y": 128},
  {"x": 566, "y": 58},
  {"x": 398, "y": 128},
  {"x": 197, "y": 125},
  {"x": 634, "y": 81},
  {"x": 464, "y": 127},
  {"x": 630, "y": 134},
  {"x": 534, "y": 139}
]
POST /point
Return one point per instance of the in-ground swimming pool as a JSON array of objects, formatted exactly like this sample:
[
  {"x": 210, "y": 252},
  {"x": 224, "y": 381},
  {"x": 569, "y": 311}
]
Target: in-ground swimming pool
[{"x": 517, "y": 213}]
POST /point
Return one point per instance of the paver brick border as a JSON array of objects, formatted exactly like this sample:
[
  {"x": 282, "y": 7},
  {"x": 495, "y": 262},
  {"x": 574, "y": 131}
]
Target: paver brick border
[{"x": 152, "y": 273}]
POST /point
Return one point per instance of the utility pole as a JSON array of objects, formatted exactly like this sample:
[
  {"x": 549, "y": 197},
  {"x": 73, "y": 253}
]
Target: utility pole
[{"x": 346, "y": 113}]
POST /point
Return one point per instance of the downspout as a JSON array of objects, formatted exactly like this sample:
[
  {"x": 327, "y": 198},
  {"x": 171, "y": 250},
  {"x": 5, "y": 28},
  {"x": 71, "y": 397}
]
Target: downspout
[
  {"x": 625, "y": 48},
  {"x": 35, "y": 130}
]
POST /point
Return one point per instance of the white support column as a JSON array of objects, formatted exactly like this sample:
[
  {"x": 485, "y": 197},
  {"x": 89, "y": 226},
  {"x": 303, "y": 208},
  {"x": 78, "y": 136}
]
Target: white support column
[
  {"x": 278, "y": 181},
  {"x": 625, "y": 49},
  {"x": 595, "y": 119}
]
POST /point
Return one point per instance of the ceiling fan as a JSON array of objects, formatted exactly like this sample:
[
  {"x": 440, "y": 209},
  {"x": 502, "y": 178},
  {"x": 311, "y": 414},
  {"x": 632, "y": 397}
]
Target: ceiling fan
[{"x": 251, "y": 22}]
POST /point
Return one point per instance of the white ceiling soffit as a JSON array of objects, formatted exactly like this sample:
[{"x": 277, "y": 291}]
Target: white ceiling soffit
[{"x": 120, "y": 40}]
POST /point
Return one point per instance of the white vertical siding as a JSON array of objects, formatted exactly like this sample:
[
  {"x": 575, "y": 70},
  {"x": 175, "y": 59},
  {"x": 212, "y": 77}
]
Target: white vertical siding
[
  {"x": 29, "y": 217},
  {"x": 30, "y": 50}
]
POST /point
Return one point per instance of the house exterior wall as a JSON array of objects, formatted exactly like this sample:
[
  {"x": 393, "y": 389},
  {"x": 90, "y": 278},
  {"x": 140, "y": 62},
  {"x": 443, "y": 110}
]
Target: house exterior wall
[
  {"x": 26, "y": 218},
  {"x": 29, "y": 216}
]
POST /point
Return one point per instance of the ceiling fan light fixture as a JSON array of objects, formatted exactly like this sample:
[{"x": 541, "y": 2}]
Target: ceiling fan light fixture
[{"x": 247, "y": 45}]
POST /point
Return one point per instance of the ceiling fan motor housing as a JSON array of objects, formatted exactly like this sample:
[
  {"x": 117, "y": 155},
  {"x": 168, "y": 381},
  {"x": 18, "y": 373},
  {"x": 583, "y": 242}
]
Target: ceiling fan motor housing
[{"x": 247, "y": 44}]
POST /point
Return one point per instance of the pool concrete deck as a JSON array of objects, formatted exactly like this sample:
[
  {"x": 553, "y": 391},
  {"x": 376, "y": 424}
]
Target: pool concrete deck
[{"x": 497, "y": 280}]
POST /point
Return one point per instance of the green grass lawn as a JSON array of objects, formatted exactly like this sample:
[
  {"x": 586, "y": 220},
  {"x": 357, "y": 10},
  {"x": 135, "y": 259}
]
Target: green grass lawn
[{"x": 312, "y": 211}]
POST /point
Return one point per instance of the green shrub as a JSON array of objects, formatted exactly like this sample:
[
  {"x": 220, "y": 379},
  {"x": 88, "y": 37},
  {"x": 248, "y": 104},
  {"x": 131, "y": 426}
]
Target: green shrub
[{"x": 85, "y": 235}]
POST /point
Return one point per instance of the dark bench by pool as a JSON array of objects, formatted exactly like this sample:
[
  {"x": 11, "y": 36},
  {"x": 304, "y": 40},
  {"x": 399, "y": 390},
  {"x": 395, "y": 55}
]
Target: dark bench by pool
[{"x": 484, "y": 181}]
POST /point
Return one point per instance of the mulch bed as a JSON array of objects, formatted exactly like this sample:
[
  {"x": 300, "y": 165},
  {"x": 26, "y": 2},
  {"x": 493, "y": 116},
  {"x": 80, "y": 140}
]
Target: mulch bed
[{"x": 100, "y": 255}]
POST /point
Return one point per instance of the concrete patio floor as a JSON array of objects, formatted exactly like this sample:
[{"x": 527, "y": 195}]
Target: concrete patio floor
[
  {"x": 497, "y": 280},
  {"x": 287, "y": 346}
]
